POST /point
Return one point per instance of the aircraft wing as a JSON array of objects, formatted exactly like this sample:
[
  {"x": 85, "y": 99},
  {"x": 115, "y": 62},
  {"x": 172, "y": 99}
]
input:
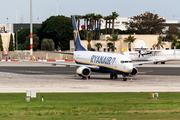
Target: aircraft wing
[
  {"x": 64, "y": 63},
  {"x": 152, "y": 61}
]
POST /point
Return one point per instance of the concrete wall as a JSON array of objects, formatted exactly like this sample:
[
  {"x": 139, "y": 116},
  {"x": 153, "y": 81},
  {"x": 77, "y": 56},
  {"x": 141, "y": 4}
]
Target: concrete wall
[{"x": 37, "y": 54}]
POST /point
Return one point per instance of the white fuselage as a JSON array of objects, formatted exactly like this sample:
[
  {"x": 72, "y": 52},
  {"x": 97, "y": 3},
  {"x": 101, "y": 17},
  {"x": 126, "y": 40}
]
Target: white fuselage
[
  {"x": 157, "y": 55},
  {"x": 105, "y": 61}
]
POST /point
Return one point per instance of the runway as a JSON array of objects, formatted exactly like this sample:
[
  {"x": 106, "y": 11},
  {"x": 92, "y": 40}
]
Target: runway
[
  {"x": 72, "y": 70},
  {"x": 46, "y": 78}
]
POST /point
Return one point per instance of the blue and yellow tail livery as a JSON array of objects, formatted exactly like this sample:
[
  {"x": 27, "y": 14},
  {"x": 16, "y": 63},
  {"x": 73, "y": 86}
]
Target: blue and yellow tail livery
[{"x": 77, "y": 41}]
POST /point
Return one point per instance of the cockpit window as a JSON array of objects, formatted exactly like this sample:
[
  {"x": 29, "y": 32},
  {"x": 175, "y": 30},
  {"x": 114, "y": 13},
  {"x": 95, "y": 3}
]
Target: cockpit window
[{"x": 126, "y": 61}]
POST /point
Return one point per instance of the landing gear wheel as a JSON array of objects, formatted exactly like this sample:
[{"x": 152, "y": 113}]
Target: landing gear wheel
[
  {"x": 89, "y": 77},
  {"x": 124, "y": 79},
  {"x": 111, "y": 76},
  {"x": 83, "y": 77},
  {"x": 115, "y": 76}
]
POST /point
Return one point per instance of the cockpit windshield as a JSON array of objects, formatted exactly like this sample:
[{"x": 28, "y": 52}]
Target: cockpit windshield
[{"x": 126, "y": 61}]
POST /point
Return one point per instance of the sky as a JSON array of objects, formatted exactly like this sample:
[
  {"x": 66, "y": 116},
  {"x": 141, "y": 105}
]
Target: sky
[{"x": 17, "y": 11}]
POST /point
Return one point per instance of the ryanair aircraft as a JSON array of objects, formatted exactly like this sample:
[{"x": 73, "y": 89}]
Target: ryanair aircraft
[{"x": 112, "y": 63}]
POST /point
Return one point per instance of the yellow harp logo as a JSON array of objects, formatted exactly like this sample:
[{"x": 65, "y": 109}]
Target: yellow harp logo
[{"x": 75, "y": 35}]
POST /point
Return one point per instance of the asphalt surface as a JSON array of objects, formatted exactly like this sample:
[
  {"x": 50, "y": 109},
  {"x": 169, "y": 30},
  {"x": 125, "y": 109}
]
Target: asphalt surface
[
  {"x": 24, "y": 76},
  {"x": 72, "y": 70}
]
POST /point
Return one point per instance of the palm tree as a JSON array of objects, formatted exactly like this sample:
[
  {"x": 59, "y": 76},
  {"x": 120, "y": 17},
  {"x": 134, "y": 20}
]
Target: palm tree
[
  {"x": 87, "y": 20},
  {"x": 98, "y": 19},
  {"x": 160, "y": 43},
  {"x": 78, "y": 17},
  {"x": 96, "y": 26},
  {"x": 114, "y": 16},
  {"x": 110, "y": 17},
  {"x": 89, "y": 38},
  {"x": 174, "y": 41},
  {"x": 98, "y": 45},
  {"x": 85, "y": 17},
  {"x": 106, "y": 18},
  {"x": 113, "y": 38},
  {"x": 91, "y": 16},
  {"x": 130, "y": 39},
  {"x": 110, "y": 46}
]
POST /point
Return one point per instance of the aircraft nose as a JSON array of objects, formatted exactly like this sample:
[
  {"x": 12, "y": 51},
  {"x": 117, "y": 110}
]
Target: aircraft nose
[{"x": 129, "y": 67}]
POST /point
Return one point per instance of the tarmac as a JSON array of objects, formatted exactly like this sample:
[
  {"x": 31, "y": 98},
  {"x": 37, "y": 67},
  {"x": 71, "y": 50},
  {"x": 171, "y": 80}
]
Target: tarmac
[{"x": 63, "y": 83}]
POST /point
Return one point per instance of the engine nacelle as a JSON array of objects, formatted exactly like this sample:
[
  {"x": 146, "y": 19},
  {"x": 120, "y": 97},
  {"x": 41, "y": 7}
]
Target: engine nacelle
[
  {"x": 134, "y": 72},
  {"x": 83, "y": 71}
]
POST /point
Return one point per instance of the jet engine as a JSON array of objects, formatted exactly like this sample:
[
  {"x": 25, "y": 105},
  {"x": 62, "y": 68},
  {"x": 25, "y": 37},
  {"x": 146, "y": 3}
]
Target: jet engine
[
  {"x": 134, "y": 72},
  {"x": 83, "y": 71}
]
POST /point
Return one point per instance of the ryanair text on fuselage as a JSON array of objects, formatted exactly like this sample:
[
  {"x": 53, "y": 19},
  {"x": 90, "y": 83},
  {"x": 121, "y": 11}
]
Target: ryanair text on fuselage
[{"x": 102, "y": 59}]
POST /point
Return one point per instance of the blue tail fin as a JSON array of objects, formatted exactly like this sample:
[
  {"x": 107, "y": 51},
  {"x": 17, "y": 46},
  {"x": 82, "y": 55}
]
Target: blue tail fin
[{"x": 77, "y": 42}]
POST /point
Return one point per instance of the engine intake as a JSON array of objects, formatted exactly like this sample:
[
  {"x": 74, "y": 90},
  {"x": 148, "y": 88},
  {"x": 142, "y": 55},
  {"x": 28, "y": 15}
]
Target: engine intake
[
  {"x": 134, "y": 72},
  {"x": 83, "y": 71}
]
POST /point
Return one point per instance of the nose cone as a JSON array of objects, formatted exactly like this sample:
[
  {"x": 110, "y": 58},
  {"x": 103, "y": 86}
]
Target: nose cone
[{"x": 129, "y": 67}]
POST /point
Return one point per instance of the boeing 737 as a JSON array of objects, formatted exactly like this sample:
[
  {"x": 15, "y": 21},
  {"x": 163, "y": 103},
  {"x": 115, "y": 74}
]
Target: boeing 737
[
  {"x": 112, "y": 63},
  {"x": 148, "y": 55}
]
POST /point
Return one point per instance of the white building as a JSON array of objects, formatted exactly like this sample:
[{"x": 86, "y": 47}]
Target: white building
[{"x": 119, "y": 23}]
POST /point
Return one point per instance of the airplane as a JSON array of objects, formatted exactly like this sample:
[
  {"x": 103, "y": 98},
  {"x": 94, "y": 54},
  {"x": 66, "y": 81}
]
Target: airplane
[
  {"x": 147, "y": 55},
  {"x": 94, "y": 61}
]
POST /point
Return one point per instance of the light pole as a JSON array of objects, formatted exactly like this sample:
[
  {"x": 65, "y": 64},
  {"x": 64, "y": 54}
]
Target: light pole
[{"x": 31, "y": 30}]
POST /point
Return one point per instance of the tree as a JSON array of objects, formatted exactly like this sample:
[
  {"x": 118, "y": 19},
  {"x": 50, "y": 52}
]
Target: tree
[
  {"x": 113, "y": 38},
  {"x": 23, "y": 33},
  {"x": 160, "y": 43},
  {"x": 1, "y": 43},
  {"x": 35, "y": 42},
  {"x": 106, "y": 19},
  {"x": 86, "y": 18},
  {"x": 110, "y": 17},
  {"x": 89, "y": 38},
  {"x": 130, "y": 39},
  {"x": 11, "y": 47},
  {"x": 172, "y": 30},
  {"x": 114, "y": 16},
  {"x": 78, "y": 17},
  {"x": 147, "y": 23},
  {"x": 174, "y": 41},
  {"x": 97, "y": 19},
  {"x": 59, "y": 29},
  {"x": 91, "y": 16},
  {"x": 98, "y": 45},
  {"x": 99, "y": 16},
  {"x": 47, "y": 44},
  {"x": 110, "y": 46}
]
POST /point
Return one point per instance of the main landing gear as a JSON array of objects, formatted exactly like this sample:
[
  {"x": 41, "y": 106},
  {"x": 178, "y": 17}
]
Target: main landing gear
[
  {"x": 124, "y": 79},
  {"x": 112, "y": 75}
]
